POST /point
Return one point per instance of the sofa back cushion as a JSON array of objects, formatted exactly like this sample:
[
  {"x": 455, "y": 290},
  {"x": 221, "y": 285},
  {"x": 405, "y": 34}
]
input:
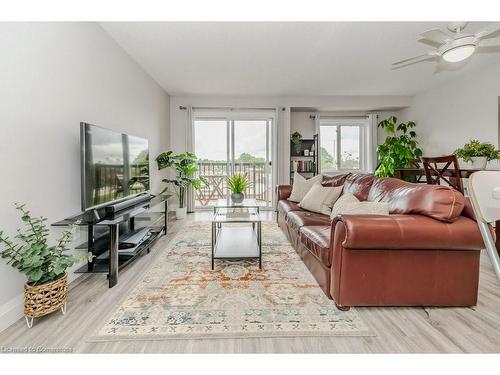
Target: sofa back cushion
[
  {"x": 436, "y": 201},
  {"x": 334, "y": 180},
  {"x": 359, "y": 185}
]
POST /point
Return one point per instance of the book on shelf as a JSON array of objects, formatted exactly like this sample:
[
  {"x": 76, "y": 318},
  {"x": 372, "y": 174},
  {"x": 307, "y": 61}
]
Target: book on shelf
[{"x": 302, "y": 166}]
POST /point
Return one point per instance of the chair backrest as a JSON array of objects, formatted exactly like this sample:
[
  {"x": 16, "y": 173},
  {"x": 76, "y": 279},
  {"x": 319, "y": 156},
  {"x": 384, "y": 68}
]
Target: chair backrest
[
  {"x": 483, "y": 189},
  {"x": 443, "y": 169}
]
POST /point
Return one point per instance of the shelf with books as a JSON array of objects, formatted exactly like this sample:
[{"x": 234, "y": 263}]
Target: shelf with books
[{"x": 304, "y": 160}]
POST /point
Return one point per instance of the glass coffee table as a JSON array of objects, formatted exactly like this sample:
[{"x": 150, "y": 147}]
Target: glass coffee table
[{"x": 231, "y": 238}]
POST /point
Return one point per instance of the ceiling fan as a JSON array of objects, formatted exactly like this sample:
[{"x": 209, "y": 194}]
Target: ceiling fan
[{"x": 454, "y": 47}]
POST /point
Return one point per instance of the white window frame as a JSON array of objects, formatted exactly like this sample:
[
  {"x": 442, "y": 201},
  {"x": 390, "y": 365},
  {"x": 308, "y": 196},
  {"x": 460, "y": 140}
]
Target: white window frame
[
  {"x": 250, "y": 115},
  {"x": 364, "y": 142}
]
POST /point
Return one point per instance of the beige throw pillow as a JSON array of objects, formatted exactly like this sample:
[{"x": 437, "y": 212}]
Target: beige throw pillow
[
  {"x": 301, "y": 186},
  {"x": 348, "y": 204},
  {"x": 321, "y": 199}
]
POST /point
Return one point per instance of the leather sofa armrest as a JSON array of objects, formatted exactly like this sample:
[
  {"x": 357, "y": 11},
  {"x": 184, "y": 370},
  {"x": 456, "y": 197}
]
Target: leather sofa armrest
[
  {"x": 407, "y": 232},
  {"x": 283, "y": 192}
]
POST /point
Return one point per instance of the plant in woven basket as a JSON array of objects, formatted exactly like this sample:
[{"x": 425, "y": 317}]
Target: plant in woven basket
[
  {"x": 31, "y": 254},
  {"x": 44, "y": 265}
]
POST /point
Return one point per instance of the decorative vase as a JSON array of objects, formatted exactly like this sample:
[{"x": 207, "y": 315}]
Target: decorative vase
[
  {"x": 297, "y": 148},
  {"x": 41, "y": 300},
  {"x": 237, "y": 197},
  {"x": 180, "y": 213}
]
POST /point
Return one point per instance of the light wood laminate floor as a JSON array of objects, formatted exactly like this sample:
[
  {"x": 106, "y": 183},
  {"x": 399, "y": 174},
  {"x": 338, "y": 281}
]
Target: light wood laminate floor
[{"x": 415, "y": 330}]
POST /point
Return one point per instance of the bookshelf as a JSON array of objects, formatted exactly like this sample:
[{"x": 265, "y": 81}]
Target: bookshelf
[{"x": 303, "y": 161}]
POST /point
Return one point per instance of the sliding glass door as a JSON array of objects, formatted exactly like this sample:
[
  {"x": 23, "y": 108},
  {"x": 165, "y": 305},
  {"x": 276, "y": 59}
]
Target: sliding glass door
[{"x": 234, "y": 146}]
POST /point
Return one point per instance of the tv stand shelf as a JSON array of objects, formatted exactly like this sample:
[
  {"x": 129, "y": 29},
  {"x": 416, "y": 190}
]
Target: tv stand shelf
[{"x": 137, "y": 224}]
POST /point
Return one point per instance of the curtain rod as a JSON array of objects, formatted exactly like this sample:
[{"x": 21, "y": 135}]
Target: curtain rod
[
  {"x": 232, "y": 108},
  {"x": 346, "y": 117}
]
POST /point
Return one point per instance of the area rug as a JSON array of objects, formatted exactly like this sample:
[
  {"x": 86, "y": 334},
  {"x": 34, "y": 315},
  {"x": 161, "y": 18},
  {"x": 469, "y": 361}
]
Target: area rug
[{"x": 181, "y": 297}]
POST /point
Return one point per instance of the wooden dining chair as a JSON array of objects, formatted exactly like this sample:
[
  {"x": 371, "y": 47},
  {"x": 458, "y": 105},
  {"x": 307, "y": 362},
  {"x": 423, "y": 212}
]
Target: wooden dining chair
[{"x": 443, "y": 169}]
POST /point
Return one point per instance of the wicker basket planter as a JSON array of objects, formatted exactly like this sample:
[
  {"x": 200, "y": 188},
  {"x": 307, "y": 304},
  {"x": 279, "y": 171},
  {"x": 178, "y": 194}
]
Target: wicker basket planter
[{"x": 44, "y": 299}]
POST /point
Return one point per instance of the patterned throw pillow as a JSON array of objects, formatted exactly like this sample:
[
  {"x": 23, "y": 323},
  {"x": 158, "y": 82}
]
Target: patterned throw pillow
[
  {"x": 320, "y": 199},
  {"x": 301, "y": 186}
]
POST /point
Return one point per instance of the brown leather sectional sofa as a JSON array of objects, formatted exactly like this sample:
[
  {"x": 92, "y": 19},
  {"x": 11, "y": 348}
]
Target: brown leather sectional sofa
[{"x": 426, "y": 253}]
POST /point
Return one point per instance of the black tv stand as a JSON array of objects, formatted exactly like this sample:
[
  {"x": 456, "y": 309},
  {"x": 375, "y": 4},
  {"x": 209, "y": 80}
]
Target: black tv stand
[{"x": 136, "y": 224}]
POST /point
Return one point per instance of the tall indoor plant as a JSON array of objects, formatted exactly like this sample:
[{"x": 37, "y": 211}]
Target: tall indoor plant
[
  {"x": 44, "y": 265},
  {"x": 399, "y": 148},
  {"x": 185, "y": 167}
]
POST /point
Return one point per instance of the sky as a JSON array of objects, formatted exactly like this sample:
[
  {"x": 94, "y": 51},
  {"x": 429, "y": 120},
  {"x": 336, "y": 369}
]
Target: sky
[
  {"x": 107, "y": 147},
  {"x": 211, "y": 139},
  {"x": 349, "y": 136}
]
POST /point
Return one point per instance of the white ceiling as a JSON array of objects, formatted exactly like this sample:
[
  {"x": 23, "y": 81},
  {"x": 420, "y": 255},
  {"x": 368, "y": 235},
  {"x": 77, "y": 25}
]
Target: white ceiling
[{"x": 287, "y": 59}]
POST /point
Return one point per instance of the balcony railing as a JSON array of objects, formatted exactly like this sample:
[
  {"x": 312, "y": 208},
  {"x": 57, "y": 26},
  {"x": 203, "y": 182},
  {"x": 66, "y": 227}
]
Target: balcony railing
[{"x": 215, "y": 174}]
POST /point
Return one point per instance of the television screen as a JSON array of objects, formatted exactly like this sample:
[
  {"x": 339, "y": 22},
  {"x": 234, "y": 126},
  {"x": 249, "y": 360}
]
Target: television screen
[{"x": 114, "y": 165}]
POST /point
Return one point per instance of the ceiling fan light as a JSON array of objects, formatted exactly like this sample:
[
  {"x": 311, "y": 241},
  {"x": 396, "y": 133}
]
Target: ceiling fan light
[{"x": 459, "y": 53}]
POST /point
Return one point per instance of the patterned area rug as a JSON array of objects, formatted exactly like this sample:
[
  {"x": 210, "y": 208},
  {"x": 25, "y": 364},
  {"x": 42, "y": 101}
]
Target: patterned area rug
[{"x": 181, "y": 297}]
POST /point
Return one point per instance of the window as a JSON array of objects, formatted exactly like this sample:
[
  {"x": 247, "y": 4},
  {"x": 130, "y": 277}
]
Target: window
[{"x": 343, "y": 145}]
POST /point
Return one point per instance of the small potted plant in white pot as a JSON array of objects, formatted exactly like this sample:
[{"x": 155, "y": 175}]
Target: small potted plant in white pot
[
  {"x": 475, "y": 154},
  {"x": 238, "y": 184},
  {"x": 44, "y": 265},
  {"x": 185, "y": 167}
]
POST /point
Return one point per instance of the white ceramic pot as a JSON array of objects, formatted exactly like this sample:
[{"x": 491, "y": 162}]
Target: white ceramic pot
[
  {"x": 479, "y": 162},
  {"x": 180, "y": 213},
  {"x": 493, "y": 165}
]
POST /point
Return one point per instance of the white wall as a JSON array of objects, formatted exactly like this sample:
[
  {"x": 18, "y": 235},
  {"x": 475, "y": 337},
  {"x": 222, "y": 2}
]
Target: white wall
[
  {"x": 450, "y": 115},
  {"x": 54, "y": 75}
]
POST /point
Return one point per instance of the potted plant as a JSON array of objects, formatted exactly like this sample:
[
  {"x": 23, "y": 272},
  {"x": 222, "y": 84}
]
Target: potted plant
[
  {"x": 238, "y": 185},
  {"x": 296, "y": 139},
  {"x": 476, "y": 154},
  {"x": 44, "y": 265},
  {"x": 185, "y": 167},
  {"x": 399, "y": 148}
]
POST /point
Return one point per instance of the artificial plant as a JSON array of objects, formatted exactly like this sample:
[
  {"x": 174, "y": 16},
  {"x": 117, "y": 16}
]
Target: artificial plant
[
  {"x": 185, "y": 167},
  {"x": 238, "y": 183},
  {"x": 399, "y": 148},
  {"x": 31, "y": 254},
  {"x": 296, "y": 139},
  {"x": 475, "y": 148}
]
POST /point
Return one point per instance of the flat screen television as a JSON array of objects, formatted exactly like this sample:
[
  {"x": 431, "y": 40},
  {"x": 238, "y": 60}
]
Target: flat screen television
[{"x": 115, "y": 166}]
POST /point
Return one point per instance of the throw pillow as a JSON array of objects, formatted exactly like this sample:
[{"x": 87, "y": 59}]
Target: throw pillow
[
  {"x": 347, "y": 199},
  {"x": 301, "y": 186},
  {"x": 348, "y": 204},
  {"x": 320, "y": 199},
  {"x": 367, "y": 208}
]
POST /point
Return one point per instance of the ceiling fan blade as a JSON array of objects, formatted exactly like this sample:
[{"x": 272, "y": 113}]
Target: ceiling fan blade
[
  {"x": 436, "y": 36},
  {"x": 416, "y": 58},
  {"x": 491, "y": 29}
]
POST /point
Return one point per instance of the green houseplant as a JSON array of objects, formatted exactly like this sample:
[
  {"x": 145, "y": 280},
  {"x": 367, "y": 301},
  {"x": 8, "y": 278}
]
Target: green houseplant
[
  {"x": 399, "y": 148},
  {"x": 185, "y": 167},
  {"x": 296, "y": 139},
  {"x": 238, "y": 185},
  {"x": 44, "y": 265},
  {"x": 476, "y": 154}
]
